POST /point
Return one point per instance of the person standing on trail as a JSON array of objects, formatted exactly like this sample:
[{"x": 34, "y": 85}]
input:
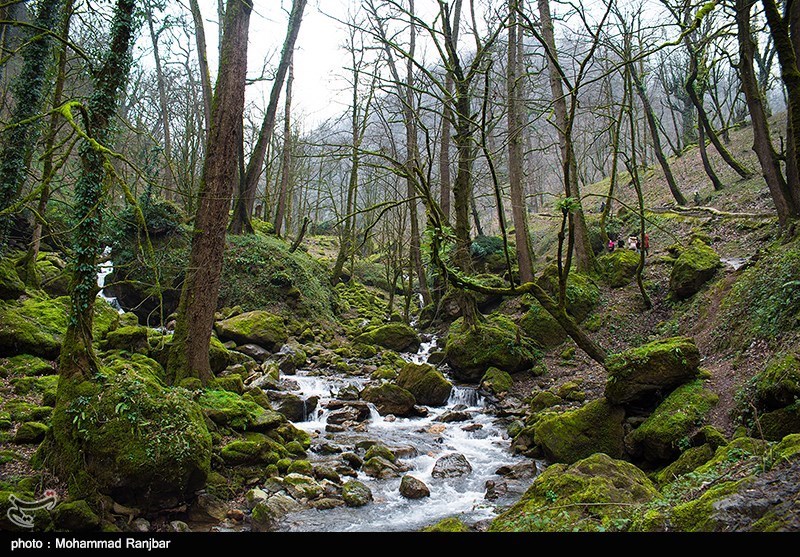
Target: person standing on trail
[{"x": 646, "y": 244}]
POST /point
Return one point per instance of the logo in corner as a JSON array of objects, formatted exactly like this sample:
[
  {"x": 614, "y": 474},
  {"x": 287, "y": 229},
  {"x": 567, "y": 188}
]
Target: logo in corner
[{"x": 21, "y": 512}]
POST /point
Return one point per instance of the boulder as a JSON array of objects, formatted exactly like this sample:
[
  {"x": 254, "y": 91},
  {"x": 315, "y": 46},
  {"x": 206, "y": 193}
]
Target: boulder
[
  {"x": 382, "y": 451},
  {"x": 570, "y": 436},
  {"x": 451, "y": 465},
  {"x": 412, "y": 488},
  {"x": 229, "y": 409},
  {"x": 494, "y": 343},
  {"x": 582, "y": 293},
  {"x": 541, "y": 327},
  {"x": 301, "y": 486},
  {"x": 254, "y": 327},
  {"x": 266, "y": 515},
  {"x": 11, "y": 286},
  {"x": 380, "y": 468},
  {"x": 356, "y": 494},
  {"x": 695, "y": 266},
  {"x": 428, "y": 385},
  {"x": 543, "y": 400},
  {"x": 618, "y": 268},
  {"x": 779, "y": 423},
  {"x": 31, "y": 433},
  {"x": 659, "y": 436},
  {"x": 656, "y": 367},
  {"x": 390, "y": 399},
  {"x": 394, "y": 336},
  {"x": 450, "y": 524},
  {"x": 256, "y": 352},
  {"x": 454, "y": 416},
  {"x": 497, "y": 381},
  {"x": 597, "y": 493},
  {"x": 778, "y": 385},
  {"x": 132, "y": 338},
  {"x": 25, "y": 365},
  {"x": 75, "y": 516}
]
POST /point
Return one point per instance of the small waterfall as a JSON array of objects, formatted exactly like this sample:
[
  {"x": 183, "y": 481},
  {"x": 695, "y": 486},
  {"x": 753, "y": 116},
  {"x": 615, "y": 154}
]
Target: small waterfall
[
  {"x": 103, "y": 270},
  {"x": 468, "y": 396}
]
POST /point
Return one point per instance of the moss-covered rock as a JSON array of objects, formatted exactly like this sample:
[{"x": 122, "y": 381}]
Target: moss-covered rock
[
  {"x": 31, "y": 433},
  {"x": 582, "y": 293},
  {"x": 54, "y": 278},
  {"x": 394, "y": 336},
  {"x": 596, "y": 427},
  {"x": 218, "y": 356},
  {"x": 11, "y": 286},
  {"x": 597, "y": 493},
  {"x": 75, "y": 516},
  {"x": 693, "y": 268},
  {"x": 788, "y": 448},
  {"x": 37, "y": 325},
  {"x": 618, "y": 268},
  {"x": 255, "y": 327},
  {"x": 571, "y": 390},
  {"x": 255, "y": 449},
  {"x": 45, "y": 386},
  {"x": 658, "y": 366},
  {"x": 131, "y": 338},
  {"x": 493, "y": 343},
  {"x": 778, "y": 385},
  {"x": 356, "y": 494},
  {"x": 38, "y": 520},
  {"x": 229, "y": 409},
  {"x": 660, "y": 436},
  {"x": 382, "y": 451},
  {"x": 777, "y": 424},
  {"x": 125, "y": 435},
  {"x": 688, "y": 461},
  {"x": 428, "y": 385},
  {"x": 450, "y": 524},
  {"x": 389, "y": 399},
  {"x": 25, "y": 365},
  {"x": 20, "y": 411},
  {"x": 544, "y": 399},
  {"x": 497, "y": 381},
  {"x": 541, "y": 327}
]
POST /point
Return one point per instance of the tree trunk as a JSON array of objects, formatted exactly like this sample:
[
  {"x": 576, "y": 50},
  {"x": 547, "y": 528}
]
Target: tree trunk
[
  {"x": 189, "y": 354},
  {"x": 255, "y": 166},
  {"x": 584, "y": 256},
  {"x": 445, "y": 185},
  {"x": 519, "y": 210},
  {"x": 202, "y": 59},
  {"x": 652, "y": 122},
  {"x": 47, "y": 165},
  {"x": 77, "y": 359},
  {"x": 762, "y": 144},
  {"x": 169, "y": 179},
  {"x": 701, "y": 142},
  {"x": 287, "y": 153},
  {"x": 30, "y": 91}
]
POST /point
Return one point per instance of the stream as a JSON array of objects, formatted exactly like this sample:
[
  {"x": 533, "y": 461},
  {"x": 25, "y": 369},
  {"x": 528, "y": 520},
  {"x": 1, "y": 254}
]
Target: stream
[{"x": 418, "y": 443}]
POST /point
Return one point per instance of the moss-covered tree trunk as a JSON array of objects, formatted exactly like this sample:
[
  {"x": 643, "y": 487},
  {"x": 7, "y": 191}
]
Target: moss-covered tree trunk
[
  {"x": 77, "y": 356},
  {"x": 189, "y": 354},
  {"x": 30, "y": 91}
]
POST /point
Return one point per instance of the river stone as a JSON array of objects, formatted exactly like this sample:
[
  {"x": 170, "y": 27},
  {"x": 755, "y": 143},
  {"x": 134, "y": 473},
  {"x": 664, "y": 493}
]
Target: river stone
[
  {"x": 255, "y": 496},
  {"x": 451, "y": 466},
  {"x": 390, "y": 399},
  {"x": 300, "y": 486},
  {"x": 265, "y": 516},
  {"x": 290, "y": 405},
  {"x": 256, "y": 352},
  {"x": 656, "y": 367},
  {"x": 254, "y": 327},
  {"x": 326, "y": 503},
  {"x": 412, "y": 488},
  {"x": 454, "y": 416},
  {"x": 380, "y": 468},
  {"x": 322, "y": 472},
  {"x": 394, "y": 336},
  {"x": 352, "y": 460},
  {"x": 348, "y": 392},
  {"x": 356, "y": 494},
  {"x": 428, "y": 386}
]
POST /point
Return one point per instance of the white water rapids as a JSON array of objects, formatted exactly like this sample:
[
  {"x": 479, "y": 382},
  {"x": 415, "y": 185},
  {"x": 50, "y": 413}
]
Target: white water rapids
[{"x": 424, "y": 440}]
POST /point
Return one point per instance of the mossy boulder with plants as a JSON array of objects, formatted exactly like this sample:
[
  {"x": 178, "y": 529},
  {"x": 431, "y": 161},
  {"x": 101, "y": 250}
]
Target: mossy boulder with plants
[
  {"x": 694, "y": 267},
  {"x": 132, "y": 338},
  {"x": 777, "y": 424},
  {"x": 25, "y": 365},
  {"x": 496, "y": 381},
  {"x": 688, "y": 461},
  {"x": 450, "y": 524},
  {"x": 655, "y": 367},
  {"x": 229, "y": 409},
  {"x": 254, "y": 327},
  {"x": 541, "y": 327},
  {"x": 11, "y": 286},
  {"x": 53, "y": 277},
  {"x": 595, "y": 494},
  {"x": 778, "y": 385},
  {"x": 428, "y": 385},
  {"x": 45, "y": 386},
  {"x": 75, "y": 516},
  {"x": 389, "y": 399},
  {"x": 596, "y": 427},
  {"x": 37, "y": 325},
  {"x": 394, "y": 336},
  {"x": 618, "y": 268},
  {"x": 661, "y": 435},
  {"x": 125, "y": 435},
  {"x": 494, "y": 342},
  {"x": 356, "y": 494},
  {"x": 582, "y": 294}
]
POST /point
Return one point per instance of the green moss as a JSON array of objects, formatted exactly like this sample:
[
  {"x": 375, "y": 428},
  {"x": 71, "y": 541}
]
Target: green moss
[
  {"x": 130, "y": 338},
  {"x": 538, "y": 325},
  {"x": 618, "y": 268},
  {"x": 543, "y": 400},
  {"x": 41, "y": 519},
  {"x": 378, "y": 450},
  {"x": 356, "y": 494},
  {"x": 21, "y": 411},
  {"x": 389, "y": 399},
  {"x": 493, "y": 343},
  {"x": 788, "y": 447},
  {"x": 594, "y": 428},
  {"x": 75, "y": 516},
  {"x": 778, "y": 385},
  {"x": 36, "y": 326},
  {"x": 597, "y": 493},
  {"x": 394, "y": 336},
  {"x": 497, "y": 381},
  {"x": 656, "y": 366},
  {"x": 256, "y": 450},
  {"x": 684, "y": 410},
  {"x": 777, "y": 424},
  {"x": 31, "y": 432},
  {"x": 256, "y": 327},
  {"x": 450, "y": 524},
  {"x": 218, "y": 356},
  {"x": 25, "y": 364},
  {"x": 52, "y": 275},
  {"x": 688, "y": 461},
  {"x": 693, "y": 268},
  {"x": 698, "y": 515},
  {"x": 45, "y": 386},
  {"x": 582, "y": 293},
  {"x": 428, "y": 385},
  {"x": 301, "y": 467},
  {"x": 229, "y": 409},
  {"x": 232, "y": 383}
]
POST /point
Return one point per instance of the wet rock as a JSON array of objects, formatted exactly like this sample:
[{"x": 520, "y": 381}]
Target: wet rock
[
  {"x": 255, "y": 496},
  {"x": 405, "y": 451},
  {"x": 428, "y": 385},
  {"x": 335, "y": 428},
  {"x": 420, "y": 411},
  {"x": 472, "y": 427},
  {"x": 356, "y": 494},
  {"x": 394, "y": 336},
  {"x": 349, "y": 412},
  {"x": 256, "y": 352},
  {"x": 327, "y": 448},
  {"x": 348, "y": 392},
  {"x": 207, "y": 508},
  {"x": 265, "y": 516},
  {"x": 381, "y": 450},
  {"x": 380, "y": 468},
  {"x": 322, "y": 472},
  {"x": 140, "y": 525},
  {"x": 451, "y": 466},
  {"x": 179, "y": 526},
  {"x": 290, "y": 405},
  {"x": 412, "y": 488},
  {"x": 353, "y": 460},
  {"x": 326, "y": 503},
  {"x": 300, "y": 486},
  {"x": 331, "y": 489},
  {"x": 390, "y": 399},
  {"x": 454, "y": 416},
  {"x": 237, "y": 515},
  {"x": 495, "y": 490}
]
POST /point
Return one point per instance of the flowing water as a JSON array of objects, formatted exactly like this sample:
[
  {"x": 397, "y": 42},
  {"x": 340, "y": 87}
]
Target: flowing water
[
  {"x": 421, "y": 441},
  {"x": 734, "y": 263},
  {"x": 103, "y": 270}
]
